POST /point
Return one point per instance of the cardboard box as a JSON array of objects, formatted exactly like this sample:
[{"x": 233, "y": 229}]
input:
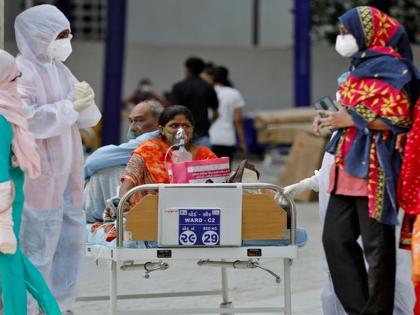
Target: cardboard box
[
  {"x": 280, "y": 126},
  {"x": 264, "y": 118},
  {"x": 305, "y": 156},
  {"x": 282, "y": 134}
]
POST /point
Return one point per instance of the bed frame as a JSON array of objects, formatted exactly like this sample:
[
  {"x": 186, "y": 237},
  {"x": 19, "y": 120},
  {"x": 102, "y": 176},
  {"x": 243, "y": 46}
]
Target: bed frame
[{"x": 262, "y": 219}]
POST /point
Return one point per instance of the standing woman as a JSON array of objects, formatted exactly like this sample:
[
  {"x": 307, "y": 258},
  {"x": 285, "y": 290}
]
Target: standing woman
[
  {"x": 229, "y": 123},
  {"x": 18, "y": 154},
  {"x": 376, "y": 99}
]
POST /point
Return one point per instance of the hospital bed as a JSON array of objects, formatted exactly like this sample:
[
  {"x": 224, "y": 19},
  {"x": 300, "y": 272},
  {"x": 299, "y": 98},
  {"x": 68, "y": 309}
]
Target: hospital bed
[{"x": 217, "y": 225}]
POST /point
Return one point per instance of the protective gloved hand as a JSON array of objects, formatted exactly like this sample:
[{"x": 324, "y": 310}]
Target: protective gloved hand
[
  {"x": 83, "y": 96},
  {"x": 294, "y": 189},
  {"x": 309, "y": 183},
  {"x": 82, "y": 89},
  {"x": 82, "y": 103},
  {"x": 8, "y": 242}
]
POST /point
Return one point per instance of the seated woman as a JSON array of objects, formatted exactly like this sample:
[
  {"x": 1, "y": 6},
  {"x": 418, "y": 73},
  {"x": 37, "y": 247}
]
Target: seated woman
[{"x": 148, "y": 163}]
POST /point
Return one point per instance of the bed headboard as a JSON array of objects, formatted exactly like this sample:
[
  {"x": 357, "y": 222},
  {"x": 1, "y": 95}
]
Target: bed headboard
[{"x": 262, "y": 218}]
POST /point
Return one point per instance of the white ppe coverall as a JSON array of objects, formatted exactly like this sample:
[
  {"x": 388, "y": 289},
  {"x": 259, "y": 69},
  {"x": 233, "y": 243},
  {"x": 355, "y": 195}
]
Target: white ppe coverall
[{"x": 53, "y": 224}]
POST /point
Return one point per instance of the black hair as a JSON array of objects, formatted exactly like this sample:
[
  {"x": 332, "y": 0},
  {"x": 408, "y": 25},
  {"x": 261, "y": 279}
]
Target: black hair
[
  {"x": 170, "y": 112},
  {"x": 221, "y": 75},
  {"x": 145, "y": 81},
  {"x": 195, "y": 65},
  {"x": 209, "y": 68}
]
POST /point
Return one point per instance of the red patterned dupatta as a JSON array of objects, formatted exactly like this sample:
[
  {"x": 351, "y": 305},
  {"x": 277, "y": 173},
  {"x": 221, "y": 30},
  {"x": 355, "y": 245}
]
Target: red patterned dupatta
[
  {"x": 370, "y": 99},
  {"x": 375, "y": 89},
  {"x": 409, "y": 189},
  {"x": 409, "y": 183}
]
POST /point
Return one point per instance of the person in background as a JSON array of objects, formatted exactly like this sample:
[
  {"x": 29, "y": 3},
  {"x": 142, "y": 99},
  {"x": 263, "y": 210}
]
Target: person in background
[
  {"x": 375, "y": 109},
  {"x": 199, "y": 97},
  {"x": 229, "y": 124},
  {"x": 18, "y": 154},
  {"x": 104, "y": 167},
  {"x": 144, "y": 92},
  {"x": 56, "y": 105},
  {"x": 208, "y": 72}
]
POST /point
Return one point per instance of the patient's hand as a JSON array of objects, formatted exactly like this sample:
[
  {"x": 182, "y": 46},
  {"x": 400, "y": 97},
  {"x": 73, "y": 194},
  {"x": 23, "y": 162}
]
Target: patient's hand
[
  {"x": 111, "y": 233},
  {"x": 109, "y": 229},
  {"x": 95, "y": 226},
  {"x": 109, "y": 214}
]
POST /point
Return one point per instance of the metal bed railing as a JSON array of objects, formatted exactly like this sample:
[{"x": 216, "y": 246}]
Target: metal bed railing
[{"x": 254, "y": 186}]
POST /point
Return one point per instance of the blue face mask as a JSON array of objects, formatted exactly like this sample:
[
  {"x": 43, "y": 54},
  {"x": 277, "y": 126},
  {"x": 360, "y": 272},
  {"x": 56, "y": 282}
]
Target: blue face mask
[
  {"x": 131, "y": 134},
  {"x": 343, "y": 77}
]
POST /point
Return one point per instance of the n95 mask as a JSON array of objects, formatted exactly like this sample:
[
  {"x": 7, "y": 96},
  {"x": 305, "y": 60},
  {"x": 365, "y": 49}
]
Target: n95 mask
[
  {"x": 60, "y": 49},
  {"x": 346, "y": 45}
]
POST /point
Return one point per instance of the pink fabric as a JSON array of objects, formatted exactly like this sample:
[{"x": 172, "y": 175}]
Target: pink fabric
[
  {"x": 342, "y": 183},
  {"x": 23, "y": 143}
]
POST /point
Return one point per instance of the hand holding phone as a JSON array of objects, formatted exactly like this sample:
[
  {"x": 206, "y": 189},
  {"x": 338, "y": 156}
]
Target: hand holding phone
[
  {"x": 335, "y": 119},
  {"x": 325, "y": 103}
]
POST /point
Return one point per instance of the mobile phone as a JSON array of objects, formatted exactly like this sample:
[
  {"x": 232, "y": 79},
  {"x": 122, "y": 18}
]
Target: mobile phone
[{"x": 325, "y": 103}]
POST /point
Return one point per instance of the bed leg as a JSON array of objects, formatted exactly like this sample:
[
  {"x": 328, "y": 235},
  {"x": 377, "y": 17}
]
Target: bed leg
[
  {"x": 226, "y": 304},
  {"x": 287, "y": 287},
  {"x": 113, "y": 288}
]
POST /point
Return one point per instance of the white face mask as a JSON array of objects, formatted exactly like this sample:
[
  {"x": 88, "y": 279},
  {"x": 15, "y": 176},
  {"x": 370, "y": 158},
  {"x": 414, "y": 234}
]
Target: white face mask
[
  {"x": 60, "y": 49},
  {"x": 145, "y": 88},
  {"x": 346, "y": 45}
]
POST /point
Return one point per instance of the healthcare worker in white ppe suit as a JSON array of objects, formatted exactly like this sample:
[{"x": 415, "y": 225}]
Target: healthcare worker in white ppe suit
[{"x": 56, "y": 105}]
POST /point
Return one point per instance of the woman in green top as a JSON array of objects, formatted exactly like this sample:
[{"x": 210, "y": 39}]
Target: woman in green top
[{"x": 17, "y": 155}]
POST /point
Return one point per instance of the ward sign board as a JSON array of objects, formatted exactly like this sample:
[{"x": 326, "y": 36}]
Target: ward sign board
[
  {"x": 196, "y": 216},
  {"x": 199, "y": 227}
]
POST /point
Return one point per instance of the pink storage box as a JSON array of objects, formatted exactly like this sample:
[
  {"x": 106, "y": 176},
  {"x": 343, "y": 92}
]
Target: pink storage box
[{"x": 202, "y": 171}]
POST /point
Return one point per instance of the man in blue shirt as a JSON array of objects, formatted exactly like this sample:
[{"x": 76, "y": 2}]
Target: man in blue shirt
[{"x": 104, "y": 167}]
